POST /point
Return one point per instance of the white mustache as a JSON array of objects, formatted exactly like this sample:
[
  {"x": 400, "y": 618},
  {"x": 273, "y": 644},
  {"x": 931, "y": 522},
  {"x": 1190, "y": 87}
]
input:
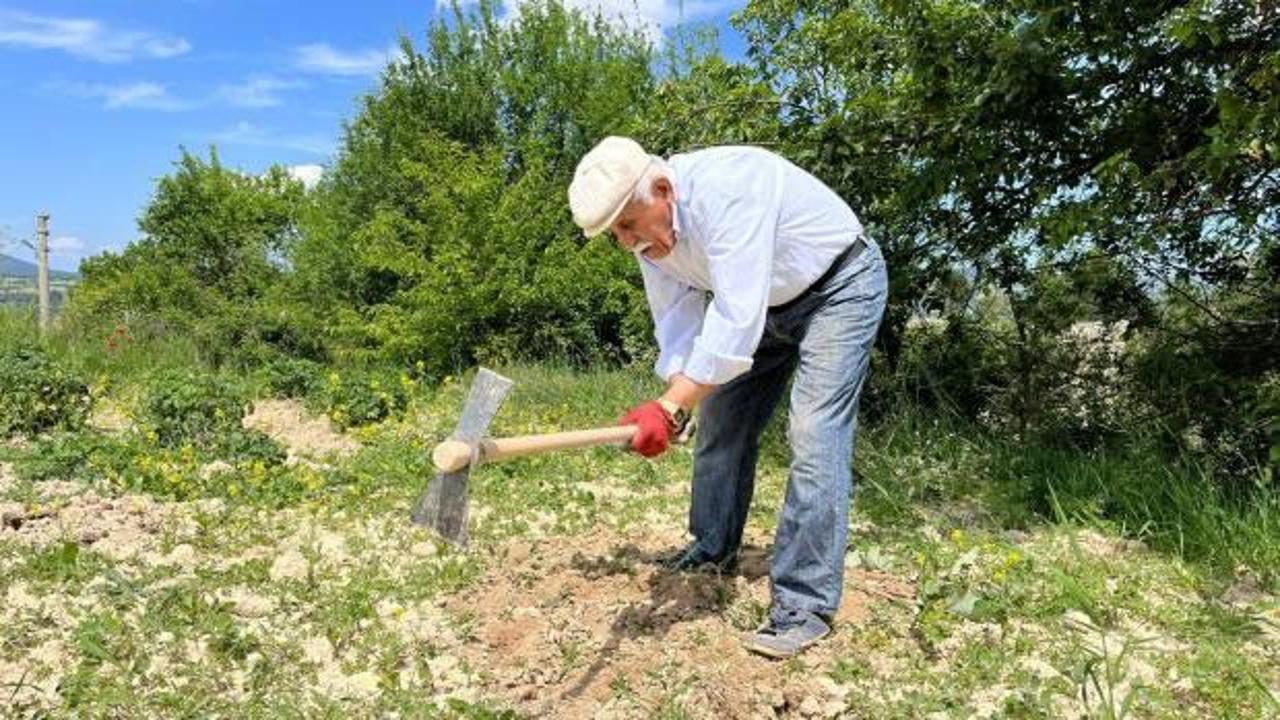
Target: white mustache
[{"x": 641, "y": 246}]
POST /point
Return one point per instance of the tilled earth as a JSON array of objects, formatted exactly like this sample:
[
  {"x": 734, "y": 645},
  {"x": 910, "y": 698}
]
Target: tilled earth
[
  {"x": 591, "y": 626},
  {"x": 131, "y": 606},
  {"x": 565, "y": 626}
]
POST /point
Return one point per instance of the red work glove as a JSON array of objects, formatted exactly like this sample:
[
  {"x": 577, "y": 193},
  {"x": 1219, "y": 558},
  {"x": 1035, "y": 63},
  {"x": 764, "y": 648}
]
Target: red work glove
[{"x": 656, "y": 427}]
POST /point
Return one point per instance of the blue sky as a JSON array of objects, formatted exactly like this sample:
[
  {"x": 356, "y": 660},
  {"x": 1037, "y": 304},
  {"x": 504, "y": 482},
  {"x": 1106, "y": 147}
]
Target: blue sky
[{"x": 100, "y": 95}]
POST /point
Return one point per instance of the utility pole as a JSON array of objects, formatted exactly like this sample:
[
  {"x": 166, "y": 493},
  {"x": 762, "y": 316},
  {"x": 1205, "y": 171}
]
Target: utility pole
[{"x": 42, "y": 269}]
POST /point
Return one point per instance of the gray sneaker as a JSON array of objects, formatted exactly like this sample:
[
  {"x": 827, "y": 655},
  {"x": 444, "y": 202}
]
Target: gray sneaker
[{"x": 787, "y": 633}]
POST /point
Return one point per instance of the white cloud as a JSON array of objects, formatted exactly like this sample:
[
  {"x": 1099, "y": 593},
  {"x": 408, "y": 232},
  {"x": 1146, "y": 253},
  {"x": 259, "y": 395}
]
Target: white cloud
[
  {"x": 86, "y": 38},
  {"x": 648, "y": 16},
  {"x": 257, "y": 91},
  {"x": 323, "y": 59},
  {"x": 66, "y": 245},
  {"x": 138, "y": 95},
  {"x": 244, "y": 133},
  {"x": 309, "y": 175}
]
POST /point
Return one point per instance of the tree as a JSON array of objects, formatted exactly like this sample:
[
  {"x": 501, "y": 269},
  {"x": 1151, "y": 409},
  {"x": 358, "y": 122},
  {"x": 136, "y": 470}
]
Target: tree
[
  {"x": 442, "y": 233},
  {"x": 211, "y": 251},
  {"x": 1020, "y": 139}
]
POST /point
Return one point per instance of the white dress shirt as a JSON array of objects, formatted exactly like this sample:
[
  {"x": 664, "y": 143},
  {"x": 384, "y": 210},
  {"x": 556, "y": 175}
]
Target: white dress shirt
[{"x": 753, "y": 230}]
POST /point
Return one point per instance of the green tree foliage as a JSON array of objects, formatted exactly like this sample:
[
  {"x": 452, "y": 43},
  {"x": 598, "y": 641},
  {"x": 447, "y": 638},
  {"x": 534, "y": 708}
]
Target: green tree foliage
[
  {"x": 1078, "y": 203},
  {"x": 210, "y": 256},
  {"x": 442, "y": 233},
  {"x": 1088, "y": 159},
  {"x": 703, "y": 100}
]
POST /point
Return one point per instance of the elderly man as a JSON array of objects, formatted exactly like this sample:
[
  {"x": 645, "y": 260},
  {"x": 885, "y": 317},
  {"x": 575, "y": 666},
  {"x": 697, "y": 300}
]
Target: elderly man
[{"x": 755, "y": 272}]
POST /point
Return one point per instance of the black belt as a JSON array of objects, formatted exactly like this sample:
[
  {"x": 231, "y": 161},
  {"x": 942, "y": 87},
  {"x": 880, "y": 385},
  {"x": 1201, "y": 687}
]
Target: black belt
[{"x": 846, "y": 255}]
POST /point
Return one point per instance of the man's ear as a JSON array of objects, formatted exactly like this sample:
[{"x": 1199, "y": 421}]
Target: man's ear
[{"x": 663, "y": 190}]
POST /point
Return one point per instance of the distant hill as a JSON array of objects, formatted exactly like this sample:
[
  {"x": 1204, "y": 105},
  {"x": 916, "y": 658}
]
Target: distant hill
[{"x": 11, "y": 266}]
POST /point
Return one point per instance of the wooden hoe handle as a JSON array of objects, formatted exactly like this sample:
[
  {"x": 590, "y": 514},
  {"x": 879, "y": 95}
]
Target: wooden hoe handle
[{"x": 453, "y": 455}]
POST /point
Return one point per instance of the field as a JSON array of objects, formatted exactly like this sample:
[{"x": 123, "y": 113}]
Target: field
[
  {"x": 16, "y": 291},
  {"x": 1067, "y": 498},
  {"x": 317, "y": 596}
]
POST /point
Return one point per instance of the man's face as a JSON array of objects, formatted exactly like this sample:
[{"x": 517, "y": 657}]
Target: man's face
[{"x": 648, "y": 229}]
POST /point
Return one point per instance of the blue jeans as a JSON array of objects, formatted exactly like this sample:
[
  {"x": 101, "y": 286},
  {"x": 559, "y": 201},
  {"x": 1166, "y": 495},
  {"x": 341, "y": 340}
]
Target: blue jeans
[{"x": 825, "y": 340}]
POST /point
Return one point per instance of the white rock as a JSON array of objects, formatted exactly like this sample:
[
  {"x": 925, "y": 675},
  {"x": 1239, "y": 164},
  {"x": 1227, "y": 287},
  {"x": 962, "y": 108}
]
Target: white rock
[
  {"x": 183, "y": 556},
  {"x": 318, "y": 650},
  {"x": 364, "y": 683},
  {"x": 388, "y": 609},
  {"x": 248, "y": 604},
  {"x": 50, "y": 653},
  {"x": 19, "y": 599},
  {"x": 196, "y": 650},
  {"x": 833, "y": 688},
  {"x": 361, "y": 686},
  {"x": 289, "y": 566},
  {"x": 1038, "y": 667},
  {"x": 122, "y": 544},
  {"x": 332, "y": 547},
  {"x": 217, "y": 467}
]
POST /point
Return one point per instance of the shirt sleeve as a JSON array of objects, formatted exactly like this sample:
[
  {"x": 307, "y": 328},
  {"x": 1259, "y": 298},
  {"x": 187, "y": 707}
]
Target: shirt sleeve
[
  {"x": 740, "y": 219},
  {"x": 677, "y": 317}
]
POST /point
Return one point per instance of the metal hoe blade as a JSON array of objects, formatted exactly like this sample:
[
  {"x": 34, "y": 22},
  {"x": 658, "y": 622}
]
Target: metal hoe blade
[{"x": 443, "y": 507}]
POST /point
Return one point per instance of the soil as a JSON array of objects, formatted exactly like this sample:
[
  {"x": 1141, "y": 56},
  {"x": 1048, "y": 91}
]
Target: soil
[
  {"x": 119, "y": 527},
  {"x": 590, "y": 626},
  {"x": 305, "y": 436}
]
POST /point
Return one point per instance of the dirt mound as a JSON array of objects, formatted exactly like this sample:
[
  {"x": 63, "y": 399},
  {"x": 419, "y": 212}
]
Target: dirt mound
[
  {"x": 109, "y": 416},
  {"x": 305, "y": 436},
  {"x": 121, "y": 528},
  {"x": 590, "y": 626},
  {"x": 8, "y": 480}
]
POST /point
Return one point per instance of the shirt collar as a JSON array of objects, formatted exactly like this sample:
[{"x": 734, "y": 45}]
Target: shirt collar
[{"x": 676, "y": 214}]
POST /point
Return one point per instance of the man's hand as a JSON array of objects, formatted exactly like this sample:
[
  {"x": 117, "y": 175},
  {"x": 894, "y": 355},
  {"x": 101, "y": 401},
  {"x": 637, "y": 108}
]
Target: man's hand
[
  {"x": 656, "y": 427},
  {"x": 686, "y": 393}
]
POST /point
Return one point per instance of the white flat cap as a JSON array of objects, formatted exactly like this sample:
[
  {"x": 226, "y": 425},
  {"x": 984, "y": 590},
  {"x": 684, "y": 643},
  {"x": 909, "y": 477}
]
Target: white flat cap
[{"x": 603, "y": 182}]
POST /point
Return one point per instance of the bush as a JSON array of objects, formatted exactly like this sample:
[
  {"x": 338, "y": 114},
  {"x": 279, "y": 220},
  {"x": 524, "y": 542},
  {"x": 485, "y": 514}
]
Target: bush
[
  {"x": 210, "y": 257},
  {"x": 38, "y": 394},
  {"x": 89, "y": 457},
  {"x": 364, "y": 397},
  {"x": 290, "y": 377},
  {"x": 956, "y": 365},
  {"x": 441, "y": 232},
  {"x": 251, "y": 461},
  {"x": 249, "y": 445},
  {"x": 190, "y": 407}
]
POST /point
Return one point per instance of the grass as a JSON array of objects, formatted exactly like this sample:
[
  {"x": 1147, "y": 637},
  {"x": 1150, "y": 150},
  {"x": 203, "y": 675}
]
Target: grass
[
  {"x": 914, "y": 461},
  {"x": 89, "y": 352},
  {"x": 1000, "y": 541},
  {"x": 907, "y": 461}
]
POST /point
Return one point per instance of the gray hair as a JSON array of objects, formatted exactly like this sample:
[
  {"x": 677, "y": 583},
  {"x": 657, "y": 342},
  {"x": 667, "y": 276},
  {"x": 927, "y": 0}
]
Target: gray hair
[{"x": 658, "y": 168}]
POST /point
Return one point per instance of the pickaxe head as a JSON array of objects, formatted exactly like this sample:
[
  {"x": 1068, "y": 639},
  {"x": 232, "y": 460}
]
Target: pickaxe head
[{"x": 443, "y": 507}]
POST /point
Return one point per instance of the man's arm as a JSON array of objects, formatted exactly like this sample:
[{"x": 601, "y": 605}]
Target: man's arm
[
  {"x": 685, "y": 392},
  {"x": 740, "y": 216},
  {"x": 677, "y": 311}
]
